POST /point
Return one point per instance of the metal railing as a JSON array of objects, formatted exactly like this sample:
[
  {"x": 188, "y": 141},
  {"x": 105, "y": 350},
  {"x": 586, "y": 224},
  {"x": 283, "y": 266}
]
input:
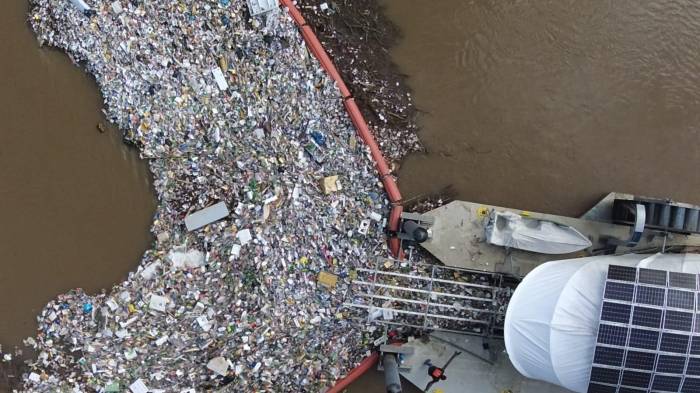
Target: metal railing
[{"x": 432, "y": 297}]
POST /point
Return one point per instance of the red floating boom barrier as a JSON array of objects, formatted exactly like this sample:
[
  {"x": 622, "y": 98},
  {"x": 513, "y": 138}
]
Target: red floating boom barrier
[
  {"x": 365, "y": 133},
  {"x": 358, "y": 120}
]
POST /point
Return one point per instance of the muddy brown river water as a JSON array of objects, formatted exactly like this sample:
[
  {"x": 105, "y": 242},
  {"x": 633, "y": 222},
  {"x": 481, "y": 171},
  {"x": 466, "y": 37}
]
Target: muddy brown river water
[
  {"x": 534, "y": 104},
  {"x": 76, "y": 204},
  {"x": 549, "y": 105}
]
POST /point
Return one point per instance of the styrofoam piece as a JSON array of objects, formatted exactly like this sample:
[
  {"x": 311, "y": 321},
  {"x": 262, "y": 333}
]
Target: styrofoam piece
[
  {"x": 244, "y": 236},
  {"x": 189, "y": 259},
  {"x": 206, "y": 216},
  {"x": 219, "y": 78}
]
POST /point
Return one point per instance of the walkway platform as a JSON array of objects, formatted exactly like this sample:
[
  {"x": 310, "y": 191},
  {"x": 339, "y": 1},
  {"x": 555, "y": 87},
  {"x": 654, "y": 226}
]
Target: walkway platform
[{"x": 458, "y": 237}]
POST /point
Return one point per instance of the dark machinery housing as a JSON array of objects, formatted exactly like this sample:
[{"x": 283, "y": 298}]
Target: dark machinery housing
[{"x": 661, "y": 215}]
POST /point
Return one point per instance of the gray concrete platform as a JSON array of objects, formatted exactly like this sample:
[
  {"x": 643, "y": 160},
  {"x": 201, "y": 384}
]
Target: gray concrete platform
[
  {"x": 473, "y": 370},
  {"x": 458, "y": 239}
]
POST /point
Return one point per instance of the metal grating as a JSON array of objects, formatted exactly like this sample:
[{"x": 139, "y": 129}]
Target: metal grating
[
  {"x": 649, "y": 333},
  {"x": 432, "y": 297}
]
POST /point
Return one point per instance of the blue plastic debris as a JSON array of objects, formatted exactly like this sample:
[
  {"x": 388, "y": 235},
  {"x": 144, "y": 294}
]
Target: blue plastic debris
[{"x": 319, "y": 138}]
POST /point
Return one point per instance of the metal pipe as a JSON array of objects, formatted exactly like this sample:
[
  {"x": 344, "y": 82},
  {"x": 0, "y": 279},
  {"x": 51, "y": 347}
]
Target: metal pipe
[
  {"x": 420, "y": 314},
  {"x": 417, "y": 232},
  {"x": 665, "y": 216},
  {"x": 678, "y": 217},
  {"x": 691, "y": 220},
  {"x": 450, "y": 306},
  {"x": 392, "y": 378},
  {"x": 413, "y": 276},
  {"x": 479, "y": 299}
]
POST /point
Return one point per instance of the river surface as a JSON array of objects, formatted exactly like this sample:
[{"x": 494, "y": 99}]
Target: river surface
[
  {"x": 76, "y": 204},
  {"x": 549, "y": 105}
]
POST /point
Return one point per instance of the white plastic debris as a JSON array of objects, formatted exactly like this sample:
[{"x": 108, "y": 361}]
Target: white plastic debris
[
  {"x": 130, "y": 354},
  {"x": 163, "y": 237},
  {"x": 189, "y": 259},
  {"x": 375, "y": 216},
  {"x": 113, "y": 306},
  {"x": 219, "y": 78},
  {"x": 387, "y": 314},
  {"x": 364, "y": 227},
  {"x": 218, "y": 365},
  {"x": 204, "y": 323},
  {"x": 149, "y": 271},
  {"x": 264, "y": 144},
  {"x": 244, "y": 236},
  {"x": 117, "y": 7},
  {"x": 138, "y": 387},
  {"x": 158, "y": 303},
  {"x": 258, "y": 7},
  {"x": 259, "y": 133},
  {"x": 81, "y": 5},
  {"x": 235, "y": 251}
]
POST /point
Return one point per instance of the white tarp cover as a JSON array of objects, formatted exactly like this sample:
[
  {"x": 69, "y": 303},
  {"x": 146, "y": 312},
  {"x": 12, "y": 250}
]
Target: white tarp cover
[
  {"x": 508, "y": 229},
  {"x": 552, "y": 318}
]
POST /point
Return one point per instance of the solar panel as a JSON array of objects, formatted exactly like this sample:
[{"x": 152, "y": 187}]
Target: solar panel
[
  {"x": 635, "y": 378},
  {"x": 616, "y": 312},
  {"x": 645, "y": 339},
  {"x": 598, "y": 388},
  {"x": 620, "y": 291},
  {"x": 622, "y": 273},
  {"x": 650, "y": 295},
  {"x": 680, "y": 299},
  {"x": 625, "y": 389},
  {"x": 682, "y": 280},
  {"x": 670, "y": 364},
  {"x": 612, "y": 334},
  {"x": 672, "y": 342},
  {"x": 693, "y": 366},
  {"x": 690, "y": 385},
  {"x": 650, "y": 276},
  {"x": 640, "y": 360},
  {"x": 678, "y": 320},
  {"x": 646, "y": 316},
  {"x": 666, "y": 383},
  {"x": 695, "y": 345},
  {"x": 610, "y": 356},
  {"x": 605, "y": 375}
]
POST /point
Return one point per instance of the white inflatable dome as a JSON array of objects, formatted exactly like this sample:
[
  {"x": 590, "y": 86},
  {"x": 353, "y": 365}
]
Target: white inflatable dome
[{"x": 552, "y": 319}]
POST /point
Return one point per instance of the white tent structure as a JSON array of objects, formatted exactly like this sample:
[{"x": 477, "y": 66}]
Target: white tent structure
[{"x": 552, "y": 319}]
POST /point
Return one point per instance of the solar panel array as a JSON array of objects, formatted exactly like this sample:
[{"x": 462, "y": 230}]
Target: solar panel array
[{"x": 649, "y": 333}]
